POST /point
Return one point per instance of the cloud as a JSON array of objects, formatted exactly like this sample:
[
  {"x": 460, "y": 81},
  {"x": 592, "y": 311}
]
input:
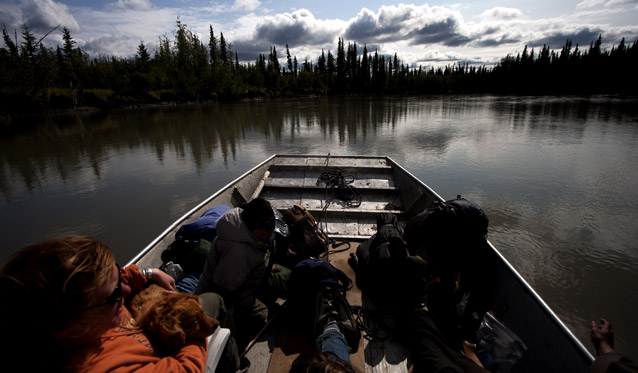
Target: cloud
[
  {"x": 438, "y": 56},
  {"x": 501, "y": 13},
  {"x": 246, "y": 5},
  {"x": 621, "y": 2},
  {"x": 556, "y": 39},
  {"x": 504, "y": 38},
  {"x": 443, "y": 32},
  {"x": 121, "y": 45},
  {"x": 120, "y": 33},
  {"x": 589, "y": 4},
  {"x": 133, "y": 4},
  {"x": 42, "y": 15},
  {"x": 298, "y": 29},
  {"x": 610, "y": 3},
  {"x": 382, "y": 27},
  {"x": 413, "y": 24},
  {"x": 8, "y": 18}
]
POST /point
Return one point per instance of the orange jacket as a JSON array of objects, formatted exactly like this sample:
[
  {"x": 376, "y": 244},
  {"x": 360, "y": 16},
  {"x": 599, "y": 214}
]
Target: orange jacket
[{"x": 126, "y": 349}]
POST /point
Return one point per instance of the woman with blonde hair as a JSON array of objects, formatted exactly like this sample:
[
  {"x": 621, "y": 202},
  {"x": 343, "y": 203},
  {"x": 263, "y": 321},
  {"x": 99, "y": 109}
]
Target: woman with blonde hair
[{"x": 63, "y": 311}]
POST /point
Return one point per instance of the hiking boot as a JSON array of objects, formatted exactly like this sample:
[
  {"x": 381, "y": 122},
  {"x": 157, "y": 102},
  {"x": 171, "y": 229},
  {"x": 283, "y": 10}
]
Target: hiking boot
[
  {"x": 332, "y": 305},
  {"x": 244, "y": 365},
  {"x": 325, "y": 310}
]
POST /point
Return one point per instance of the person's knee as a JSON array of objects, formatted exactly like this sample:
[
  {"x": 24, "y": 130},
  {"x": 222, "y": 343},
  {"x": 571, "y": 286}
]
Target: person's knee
[{"x": 214, "y": 306}]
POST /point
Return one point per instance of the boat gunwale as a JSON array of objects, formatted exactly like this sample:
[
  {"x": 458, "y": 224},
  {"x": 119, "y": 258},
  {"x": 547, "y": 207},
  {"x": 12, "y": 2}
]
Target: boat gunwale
[
  {"x": 544, "y": 305},
  {"x": 522, "y": 281},
  {"x": 195, "y": 209}
]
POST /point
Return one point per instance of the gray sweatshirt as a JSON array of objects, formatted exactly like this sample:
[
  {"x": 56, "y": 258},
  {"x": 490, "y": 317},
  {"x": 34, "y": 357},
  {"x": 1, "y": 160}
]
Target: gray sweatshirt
[{"x": 237, "y": 264}]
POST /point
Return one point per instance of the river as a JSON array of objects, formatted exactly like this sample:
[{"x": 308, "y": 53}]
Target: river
[{"x": 557, "y": 176}]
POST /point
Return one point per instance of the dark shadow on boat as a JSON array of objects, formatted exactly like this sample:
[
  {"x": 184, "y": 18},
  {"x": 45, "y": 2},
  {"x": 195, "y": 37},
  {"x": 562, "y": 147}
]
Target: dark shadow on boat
[{"x": 385, "y": 345}]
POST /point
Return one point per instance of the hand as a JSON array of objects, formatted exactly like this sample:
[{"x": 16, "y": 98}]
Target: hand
[
  {"x": 275, "y": 269},
  {"x": 163, "y": 279},
  {"x": 602, "y": 337},
  {"x": 469, "y": 350}
]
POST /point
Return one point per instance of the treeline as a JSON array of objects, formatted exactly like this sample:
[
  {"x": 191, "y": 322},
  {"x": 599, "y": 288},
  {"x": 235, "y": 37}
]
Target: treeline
[
  {"x": 184, "y": 69},
  {"x": 570, "y": 70}
]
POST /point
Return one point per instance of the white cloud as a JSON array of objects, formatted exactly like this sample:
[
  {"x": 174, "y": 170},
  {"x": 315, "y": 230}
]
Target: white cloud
[
  {"x": 122, "y": 45},
  {"x": 246, "y": 5},
  {"x": 133, "y": 4},
  {"x": 621, "y": 2},
  {"x": 297, "y": 28},
  {"x": 419, "y": 24},
  {"x": 589, "y": 3},
  {"x": 44, "y": 14},
  {"x": 120, "y": 33},
  {"x": 501, "y": 13}
]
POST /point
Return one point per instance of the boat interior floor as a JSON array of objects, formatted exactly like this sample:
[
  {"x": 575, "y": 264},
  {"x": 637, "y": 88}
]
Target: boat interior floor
[{"x": 280, "y": 345}]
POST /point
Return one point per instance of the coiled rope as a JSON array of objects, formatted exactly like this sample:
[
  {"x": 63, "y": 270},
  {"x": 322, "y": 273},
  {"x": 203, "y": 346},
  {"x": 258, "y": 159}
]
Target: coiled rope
[{"x": 340, "y": 188}]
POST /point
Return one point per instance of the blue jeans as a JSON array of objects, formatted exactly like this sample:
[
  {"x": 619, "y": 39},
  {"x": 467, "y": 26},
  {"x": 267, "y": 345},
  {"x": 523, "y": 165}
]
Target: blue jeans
[{"x": 332, "y": 341}]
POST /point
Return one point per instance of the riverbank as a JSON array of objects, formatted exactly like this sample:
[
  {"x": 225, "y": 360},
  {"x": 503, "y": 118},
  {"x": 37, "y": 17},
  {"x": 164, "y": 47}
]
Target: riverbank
[{"x": 69, "y": 100}]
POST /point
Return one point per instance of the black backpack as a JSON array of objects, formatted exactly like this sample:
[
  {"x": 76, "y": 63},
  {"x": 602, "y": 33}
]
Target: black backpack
[{"x": 447, "y": 233}]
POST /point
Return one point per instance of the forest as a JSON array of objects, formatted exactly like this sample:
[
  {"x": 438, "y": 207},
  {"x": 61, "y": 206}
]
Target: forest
[{"x": 37, "y": 78}]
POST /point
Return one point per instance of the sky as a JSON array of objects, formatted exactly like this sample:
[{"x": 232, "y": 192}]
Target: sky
[{"x": 434, "y": 33}]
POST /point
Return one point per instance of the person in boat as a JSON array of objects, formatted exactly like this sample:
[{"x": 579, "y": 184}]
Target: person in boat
[
  {"x": 332, "y": 352},
  {"x": 385, "y": 270},
  {"x": 320, "y": 362},
  {"x": 608, "y": 360},
  {"x": 63, "y": 303},
  {"x": 238, "y": 265},
  {"x": 432, "y": 352}
]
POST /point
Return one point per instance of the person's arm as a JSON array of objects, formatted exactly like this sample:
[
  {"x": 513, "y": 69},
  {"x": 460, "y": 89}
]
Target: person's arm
[
  {"x": 191, "y": 358},
  {"x": 122, "y": 356},
  {"x": 132, "y": 277},
  {"x": 136, "y": 278},
  {"x": 160, "y": 277}
]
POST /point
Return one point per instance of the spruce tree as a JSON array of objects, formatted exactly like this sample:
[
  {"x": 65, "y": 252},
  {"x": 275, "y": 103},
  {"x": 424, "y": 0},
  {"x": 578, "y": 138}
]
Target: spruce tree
[
  {"x": 213, "y": 49},
  {"x": 223, "y": 52},
  {"x": 288, "y": 59},
  {"x": 68, "y": 43}
]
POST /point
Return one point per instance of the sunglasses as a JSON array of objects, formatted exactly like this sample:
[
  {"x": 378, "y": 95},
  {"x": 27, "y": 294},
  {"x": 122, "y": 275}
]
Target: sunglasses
[{"x": 115, "y": 295}]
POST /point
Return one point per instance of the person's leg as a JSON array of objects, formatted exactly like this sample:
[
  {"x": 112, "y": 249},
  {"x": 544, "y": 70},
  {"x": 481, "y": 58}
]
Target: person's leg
[
  {"x": 332, "y": 341},
  {"x": 278, "y": 282},
  {"x": 247, "y": 321},
  {"x": 431, "y": 352},
  {"x": 214, "y": 307}
]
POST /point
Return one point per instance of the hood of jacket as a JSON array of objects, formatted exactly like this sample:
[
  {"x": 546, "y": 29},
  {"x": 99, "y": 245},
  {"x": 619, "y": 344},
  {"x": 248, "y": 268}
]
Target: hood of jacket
[{"x": 231, "y": 227}]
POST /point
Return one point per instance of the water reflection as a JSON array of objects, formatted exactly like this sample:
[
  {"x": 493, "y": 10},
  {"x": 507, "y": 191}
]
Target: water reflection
[{"x": 56, "y": 146}]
